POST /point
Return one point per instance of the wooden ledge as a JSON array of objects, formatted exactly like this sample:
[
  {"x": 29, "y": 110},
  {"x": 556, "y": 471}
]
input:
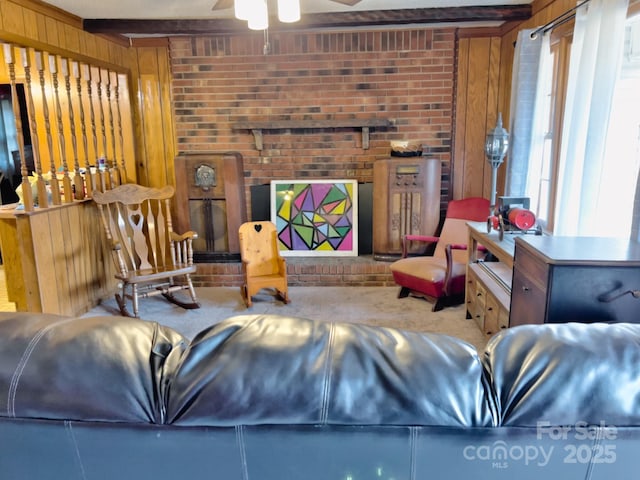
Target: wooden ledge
[{"x": 363, "y": 123}]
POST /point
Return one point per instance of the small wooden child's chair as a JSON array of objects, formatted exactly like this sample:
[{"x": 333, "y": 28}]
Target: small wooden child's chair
[
  {"x": 151, "y": 259},
  {"x": 262, "y": 264}
]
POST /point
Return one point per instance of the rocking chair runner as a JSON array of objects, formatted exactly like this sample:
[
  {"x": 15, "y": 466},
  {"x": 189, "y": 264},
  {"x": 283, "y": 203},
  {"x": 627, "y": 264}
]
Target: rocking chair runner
[{"x": 151, "y": 259}]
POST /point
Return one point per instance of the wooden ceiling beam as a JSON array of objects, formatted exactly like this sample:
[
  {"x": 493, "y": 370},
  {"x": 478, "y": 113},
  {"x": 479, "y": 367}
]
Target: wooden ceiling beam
[{"x": 213, "y": 26}]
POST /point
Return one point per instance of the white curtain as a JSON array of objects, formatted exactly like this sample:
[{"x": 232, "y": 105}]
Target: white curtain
[
  {"x": 521, "y": 116},
  {"x": 596, "y": 56},
  {"x": 536, "y": 189}
]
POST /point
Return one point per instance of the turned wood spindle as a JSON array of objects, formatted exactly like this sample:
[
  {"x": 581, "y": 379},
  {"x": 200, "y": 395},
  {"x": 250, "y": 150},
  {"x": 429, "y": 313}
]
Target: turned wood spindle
[
  {"x": 92, "y": 117},
  {"x": 78, "y": 184},
  {"x": 66, "y": 179},
  {"x": 88, "y": 177},
  {"x": 53, "y": 182},
  {"x": 113, "y": 170},
  {"x": 43, "y": 198},
  {"x": 27, "y": 194},
  {"x": 103, "y": 170},
  {"x": 123, "y": 167}
]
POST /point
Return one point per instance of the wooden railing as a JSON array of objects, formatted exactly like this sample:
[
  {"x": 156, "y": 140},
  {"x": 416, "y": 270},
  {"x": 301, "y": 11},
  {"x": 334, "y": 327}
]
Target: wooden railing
[
  {"x": 53, "y": 246},
  {"x": 55, "y": 179}
]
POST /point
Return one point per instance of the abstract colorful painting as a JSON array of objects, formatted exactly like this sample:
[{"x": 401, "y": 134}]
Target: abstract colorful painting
[{"x": 316, "y": 217}]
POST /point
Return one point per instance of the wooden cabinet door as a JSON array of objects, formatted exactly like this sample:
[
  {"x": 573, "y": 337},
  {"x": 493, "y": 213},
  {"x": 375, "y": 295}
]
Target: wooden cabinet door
[{"x": 528, "y": 300}]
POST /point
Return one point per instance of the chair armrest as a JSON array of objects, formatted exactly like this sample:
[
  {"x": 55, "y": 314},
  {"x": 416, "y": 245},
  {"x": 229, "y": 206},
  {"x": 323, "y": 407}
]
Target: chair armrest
[
  {"x": 179, "y": 238},
  {"x": 421, "y": 238},
  {"x": 449, "y": 256},
  {"x": 416, "y": 238},
  {"x": 182, "y": 247}
]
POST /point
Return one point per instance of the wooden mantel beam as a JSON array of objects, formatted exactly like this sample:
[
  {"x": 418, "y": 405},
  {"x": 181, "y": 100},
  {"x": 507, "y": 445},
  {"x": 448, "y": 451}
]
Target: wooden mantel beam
[{"x": 219, "y": 26}]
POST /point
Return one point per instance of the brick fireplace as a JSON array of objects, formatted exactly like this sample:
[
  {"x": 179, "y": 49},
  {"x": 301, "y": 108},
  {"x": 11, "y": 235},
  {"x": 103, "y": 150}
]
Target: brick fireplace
[{"x": 307, "y": 91}]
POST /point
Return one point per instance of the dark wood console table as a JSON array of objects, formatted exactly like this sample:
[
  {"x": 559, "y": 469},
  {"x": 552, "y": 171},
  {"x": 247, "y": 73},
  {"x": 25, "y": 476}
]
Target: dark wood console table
[
  {"x": 575, "y": 279},
  {"x": 550, "y": 279}
]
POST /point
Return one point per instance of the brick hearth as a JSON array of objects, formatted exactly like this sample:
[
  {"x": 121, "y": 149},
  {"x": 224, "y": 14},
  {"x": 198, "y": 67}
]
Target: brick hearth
[{"x": 305, "y": 271}]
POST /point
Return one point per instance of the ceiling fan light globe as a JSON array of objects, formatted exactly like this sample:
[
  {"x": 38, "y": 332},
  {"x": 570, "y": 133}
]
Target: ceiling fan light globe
[
  {"x": 288, "y": 11},
  {"x": 259, "y": 15},
  {"x": 242, "y": 9}
]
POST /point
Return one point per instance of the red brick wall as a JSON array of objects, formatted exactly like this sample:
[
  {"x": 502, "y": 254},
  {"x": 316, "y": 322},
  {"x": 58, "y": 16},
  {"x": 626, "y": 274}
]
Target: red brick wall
[{"x": 404, "y": 75}]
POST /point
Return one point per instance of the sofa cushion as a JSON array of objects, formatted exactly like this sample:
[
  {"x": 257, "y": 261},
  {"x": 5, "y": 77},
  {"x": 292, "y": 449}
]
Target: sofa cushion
[
  {"x": 96, "y": 368},
  {"x": 566, "y": 374},
  {"x": 271, "y": 369}
]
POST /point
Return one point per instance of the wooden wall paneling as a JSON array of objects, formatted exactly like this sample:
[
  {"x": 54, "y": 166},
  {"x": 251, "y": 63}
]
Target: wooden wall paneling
[
  {"x": 18, "y": 258},
  {"x": 53, "y": 34},
  {"x": 506, "y": 58},
  {"x": 57, "y": 259},
  {"x": 168, "y": 126},
  {"x": 44, "y": 260},
  {"x": 12, "y": 19},
  {"x": 61, "y": 248},
  {"x": 476, "y": 118},
  {"x": 493, "y": 86},
  {"x": 74, "y": 251},
  {"x": 70, "y": 38},
  {"x": 127, "y": 114},
  {"x": 461, "y": 116},
  {"x": 31, "y": 20},
  {"x": 153, "y": 166}
]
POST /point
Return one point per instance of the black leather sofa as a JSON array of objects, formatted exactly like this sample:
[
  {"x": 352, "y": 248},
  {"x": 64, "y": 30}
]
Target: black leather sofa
[{"x": 278, "y": 398}]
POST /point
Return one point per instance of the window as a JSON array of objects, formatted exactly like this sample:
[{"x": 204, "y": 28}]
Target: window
[
  {"x": 611, "y": 198},
  {"x": 542, "y": 180}
]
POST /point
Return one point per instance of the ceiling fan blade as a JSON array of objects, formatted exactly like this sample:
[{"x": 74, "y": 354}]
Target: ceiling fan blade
[
  {"x": 223, "y": 5},
  {"x": 351, "y": 3}
]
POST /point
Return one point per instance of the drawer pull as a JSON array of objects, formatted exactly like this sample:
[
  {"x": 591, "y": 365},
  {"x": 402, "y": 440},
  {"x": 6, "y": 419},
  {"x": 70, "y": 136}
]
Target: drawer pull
[
  {"x": 606, "y": 298},
  {"x": 525, "y": 288}
]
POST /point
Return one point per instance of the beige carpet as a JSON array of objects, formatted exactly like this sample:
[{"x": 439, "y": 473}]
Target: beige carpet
[{"x": 368, "y": 305}]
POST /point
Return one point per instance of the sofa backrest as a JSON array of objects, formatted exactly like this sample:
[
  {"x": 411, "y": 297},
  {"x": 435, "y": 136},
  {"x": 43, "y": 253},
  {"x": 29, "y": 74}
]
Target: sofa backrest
[
  {"x": 566, "y": 374},
  {"x": 109, "y": 368},
  {"x": 272, "y": 369},
  {"x": 268, "y": 369}
]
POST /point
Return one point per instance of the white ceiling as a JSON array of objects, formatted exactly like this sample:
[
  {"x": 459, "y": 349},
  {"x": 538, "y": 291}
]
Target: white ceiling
[{"x": 188, "y": 9}]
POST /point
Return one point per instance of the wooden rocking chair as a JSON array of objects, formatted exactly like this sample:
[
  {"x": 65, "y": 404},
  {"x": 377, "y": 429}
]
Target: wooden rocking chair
[
  {"x": 151, "y": 259},
  {"x": 262, "y": 264}
]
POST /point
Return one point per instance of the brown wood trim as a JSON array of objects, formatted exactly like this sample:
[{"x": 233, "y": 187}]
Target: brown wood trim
[
  {"x": 50, "y": 11},
  {"x": 479, "y": 32},
  {"x": 149, "y": 42},
  {"x": 314, "y": 20},
  {"x": 306, "y": 124}
]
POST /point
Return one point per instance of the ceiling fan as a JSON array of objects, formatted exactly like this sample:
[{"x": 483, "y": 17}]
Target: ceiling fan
[{"x": 224, "y": 4}]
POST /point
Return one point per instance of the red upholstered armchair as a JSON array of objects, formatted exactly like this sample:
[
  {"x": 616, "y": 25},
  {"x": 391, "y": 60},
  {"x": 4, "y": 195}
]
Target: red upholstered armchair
[{"x": 440, "y": 278}]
